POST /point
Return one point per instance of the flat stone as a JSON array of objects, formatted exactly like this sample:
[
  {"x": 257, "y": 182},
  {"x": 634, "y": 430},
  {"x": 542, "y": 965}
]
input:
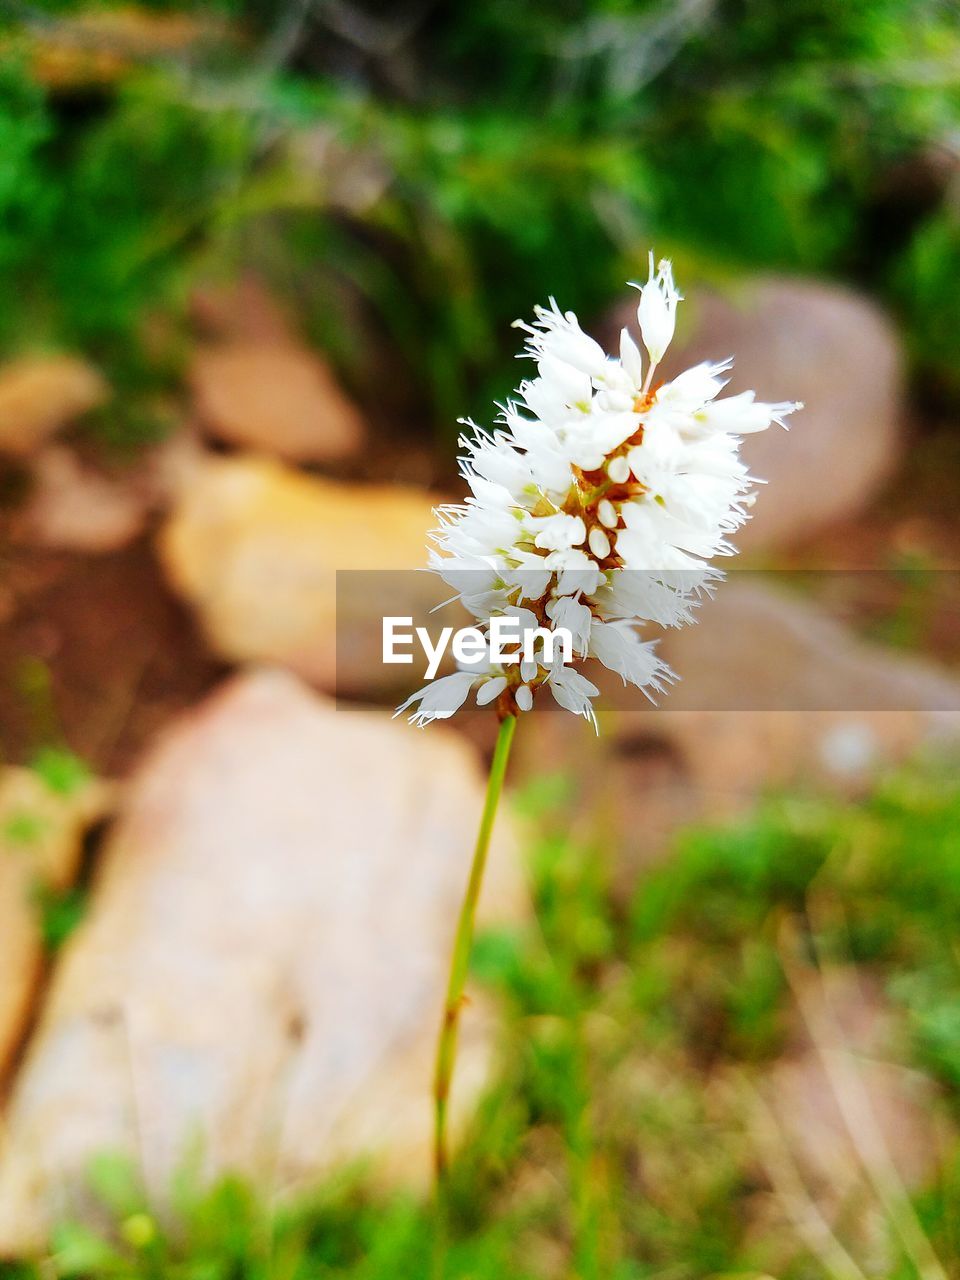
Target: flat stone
[
  {"x": 759, "y": 645},
  {"x": 39, "y": 395},
  {"x": 255, "y": 546},
  {"x": 278, "y": 397},
  {"x": 261, "y": 973},
  {"x": 801, "y": 340}
]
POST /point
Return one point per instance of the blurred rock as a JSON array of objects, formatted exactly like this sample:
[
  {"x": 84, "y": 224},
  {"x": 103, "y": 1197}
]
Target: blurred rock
[
  {"x": 74, "y": 507},
  {"x": 41, "y": 831},
  {"x": 758, "y": 645},
  {"x": 773, "y": 692},
  {"x": 101, "y": 45},
  {"x": 278, "y": 397},
  {"x": 41, "y": 394},
  {"x": 254, "y": 547},
  {"x": 74, "y": 504},
  {"x": 262, "y": 968},
  {"x": 167, "y": 469},
  {"x": 801, "y": 340}
]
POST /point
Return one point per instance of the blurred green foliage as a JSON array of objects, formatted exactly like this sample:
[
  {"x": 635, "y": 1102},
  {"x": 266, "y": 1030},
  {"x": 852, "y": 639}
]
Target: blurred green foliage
[
  {"x": 424, "y": 173},
  {"x": 621, "y": 1139},
  {"x": 59, "y": 908}
]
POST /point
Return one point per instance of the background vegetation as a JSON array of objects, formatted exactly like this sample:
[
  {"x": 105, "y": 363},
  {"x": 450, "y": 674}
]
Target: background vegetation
[{"x": 415, "y": 174}]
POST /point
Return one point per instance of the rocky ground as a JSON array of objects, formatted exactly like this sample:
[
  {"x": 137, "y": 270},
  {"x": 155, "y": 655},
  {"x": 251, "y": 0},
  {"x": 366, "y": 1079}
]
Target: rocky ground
[{"x": 271, "y": 878}]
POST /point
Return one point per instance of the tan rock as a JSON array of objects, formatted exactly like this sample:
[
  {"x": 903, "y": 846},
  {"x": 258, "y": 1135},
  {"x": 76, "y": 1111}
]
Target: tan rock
[
  {"x": 40, "y": 839},
  {"x": 41, "y": 394},
  {"x": 77, "y": 508},
  {"x": 255, "y": 547},
  {"x": 262, "y": 969},
  {"x": 72, "y": 504},
  {"x": 278, "y": 397},
  {"x": 810, "y": 341},
  {"x": 772, "y": 691}
]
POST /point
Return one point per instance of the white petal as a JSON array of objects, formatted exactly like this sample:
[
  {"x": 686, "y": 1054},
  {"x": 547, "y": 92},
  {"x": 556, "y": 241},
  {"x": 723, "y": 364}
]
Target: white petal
[
  {"x": 573, "y": 692},
  {"x": 491, "y": 689},
  {"x": 743, "y": 415},
  {"x": 440, "y": 699},
  {"x": 573, "y": 616},
  {"x": 631, "y": 358},
  {"x": 620, "y": 649}
]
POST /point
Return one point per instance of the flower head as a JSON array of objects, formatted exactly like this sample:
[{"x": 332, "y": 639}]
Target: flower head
[{"x": 597, "y": 504}]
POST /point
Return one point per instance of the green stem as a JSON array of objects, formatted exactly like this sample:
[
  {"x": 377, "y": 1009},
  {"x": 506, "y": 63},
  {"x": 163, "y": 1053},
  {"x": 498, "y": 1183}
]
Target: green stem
[{"x": 447, "y": 1043}]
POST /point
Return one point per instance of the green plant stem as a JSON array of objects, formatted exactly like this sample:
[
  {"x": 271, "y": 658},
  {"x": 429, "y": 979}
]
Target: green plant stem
[{"x": 460, "y": 962}]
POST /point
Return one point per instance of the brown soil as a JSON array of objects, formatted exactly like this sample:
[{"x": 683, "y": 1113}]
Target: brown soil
[{"x": 94, "y": 653}]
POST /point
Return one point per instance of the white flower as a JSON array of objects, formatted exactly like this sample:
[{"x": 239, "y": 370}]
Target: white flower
[
  {"x": 657, "y": 312},
  {"x": 596, "y": 506}
]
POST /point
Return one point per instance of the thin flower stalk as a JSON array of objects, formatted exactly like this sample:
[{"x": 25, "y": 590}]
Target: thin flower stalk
[{"x": 463, "y": 942}]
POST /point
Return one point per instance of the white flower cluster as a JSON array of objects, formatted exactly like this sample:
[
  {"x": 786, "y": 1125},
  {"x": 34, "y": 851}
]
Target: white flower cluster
[{"x": 596, "y": 505}]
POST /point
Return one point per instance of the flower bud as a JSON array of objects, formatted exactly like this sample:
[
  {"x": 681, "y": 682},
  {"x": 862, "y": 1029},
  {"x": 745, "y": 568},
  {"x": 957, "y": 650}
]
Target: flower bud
[
  {"x": 599, "y": 543},
  {"x": 524, "y": 697},
  {"x": 607, "y": 513},
  {"x": 657, "y": 311}
]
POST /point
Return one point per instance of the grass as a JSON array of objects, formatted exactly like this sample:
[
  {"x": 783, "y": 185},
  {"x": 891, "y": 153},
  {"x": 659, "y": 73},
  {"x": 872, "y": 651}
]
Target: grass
[{"x": 634, "y": 1131}]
